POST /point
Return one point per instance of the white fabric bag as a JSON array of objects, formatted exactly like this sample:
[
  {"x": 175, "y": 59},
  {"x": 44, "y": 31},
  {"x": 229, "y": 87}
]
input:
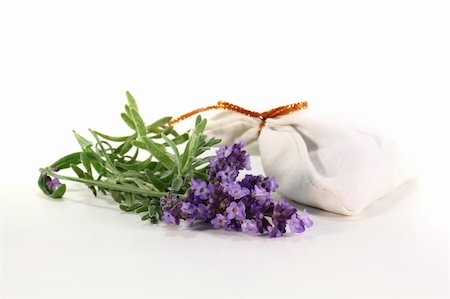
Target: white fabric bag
[{"x": 318, "y": 162}]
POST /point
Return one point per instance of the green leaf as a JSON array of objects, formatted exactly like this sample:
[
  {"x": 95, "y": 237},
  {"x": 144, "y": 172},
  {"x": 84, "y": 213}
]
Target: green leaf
[
  {"x": 84, "y": 143},
  {"x": 59, "y": 192},
  {"x": 155, "y": 180},
  {"x": 129, "y": 199},
  {"x": 142, "y": 209},
  {"x": 138, "y": 166},
  {"x": 132, "y": 101},
  {"x": 200, "y": 127},
  {"x": 108, "y": 162},
  {"x": 173, "y": 146},
  {"x": 125, "y": 147},
  {"x": 156, "y": 151},
  {"x": 138, "y": 122},
  {"x": 201, "y": 161},
  {"x": 112, "y": 138},
  {"x": 127, "y": 119},
  {"x": 201, "y": 176},
  {"x": 86, "y": 163},
  {"x": 65, "y": 161},
  {"x": 176, "y": 184},
  {"x": 153, "y": 213},
  {"x": 78, "y": 171},
  {"x": 97, "y": 162},
  {"x": 181, "y": 138},
  {"x": 152, "y": 128},
  {"x": 117, "y": 196}
]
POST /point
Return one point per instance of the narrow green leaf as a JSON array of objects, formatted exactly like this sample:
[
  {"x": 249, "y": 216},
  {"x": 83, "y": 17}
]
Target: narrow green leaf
[
  {"x": 109, "y": 163},
  {"x": 126, "y": 146},
  {"x": 65, "y": 161},
  {"x": 86, "y": 163},
  {"x": 42, "y": 185},
  {"x": 138, "y": 122},
  {"x": 127, "y": 119},
  {"x": 84, "y": 143},
  {"x": 167, "y": 176},
  {"x": 200, "y": 127},
  {"x": 117, "y": 196},
  {"x": 176, "y": 184},
  {"x": 155, "y": 180},
  {"x": 59, "y": 192},
  {"x": 132, "y": 101},
  {"x": 78, "y": 171},
  {"x": 181, "y": 138},
  {"x": 112, "y": 138},
  {"x": 156, "y": 151},
  {"x": 158, "y": 124},
  {"x": 142, "y": 209},
  {"x": 129, "y": 199},
  {"x": 173, "y": 146},
  {"x": 201, "y": 176}
]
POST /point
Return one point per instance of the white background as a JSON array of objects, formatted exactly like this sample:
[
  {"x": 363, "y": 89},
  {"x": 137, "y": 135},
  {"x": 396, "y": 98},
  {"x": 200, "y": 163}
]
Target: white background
[{"x": 66, "y": 65}]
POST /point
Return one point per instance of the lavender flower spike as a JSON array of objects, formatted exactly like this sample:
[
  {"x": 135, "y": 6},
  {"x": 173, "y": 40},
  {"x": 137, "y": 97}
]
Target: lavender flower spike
[
  {"x": 236, "y": 211},
  {"x": 52, "y": 184},
  {"x": 237, "y": 191},
  {"x": 304, "y": 217},
  {"x": 249, "y": 226},
  {"x": 220, "y": 221},
  {"x": 295, "y": 224},
  {"x": 200, "y": 189},
  {"x": 169, "y": 218}
]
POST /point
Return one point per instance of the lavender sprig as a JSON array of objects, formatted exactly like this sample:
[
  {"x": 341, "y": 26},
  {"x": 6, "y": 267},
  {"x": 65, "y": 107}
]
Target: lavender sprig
[
  {"x": 226, "y": 202},
  {"x": 113, "y": 164}
]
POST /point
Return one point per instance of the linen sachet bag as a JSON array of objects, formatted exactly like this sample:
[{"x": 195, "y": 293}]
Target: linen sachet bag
[{"x": 324, "y": 163}]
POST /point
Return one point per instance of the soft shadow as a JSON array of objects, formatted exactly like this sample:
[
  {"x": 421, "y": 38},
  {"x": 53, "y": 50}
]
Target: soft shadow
[
  {"x": 82, "y": 195},
  {"x": 408, "y": 191}
]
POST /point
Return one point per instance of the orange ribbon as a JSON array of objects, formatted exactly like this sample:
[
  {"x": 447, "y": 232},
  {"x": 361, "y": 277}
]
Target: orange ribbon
[{"x": 275, "y": 112}]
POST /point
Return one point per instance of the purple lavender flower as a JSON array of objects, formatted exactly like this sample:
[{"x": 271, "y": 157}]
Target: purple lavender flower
[
  {"x": 224, "y": 151},
  {"x": 52, "y": 184},
  {"x": 249, "y": 226},
  {"x": 170, "y": 219},
  {"x": 270, "y": 184},
  {"x": 282, "y": 211},
  {"x": 260, "y": 194},
  {"x": 228, "y": 174},
  {"x": 236, "y": 211},
  {"x": 295, "y": 224},
  {"x": 228, "y": 156},
  {"x": 200, "y": 189},
  {"x": 220, "y": 221},
  {"x": 171, "y": 207},
  {"x": 202, "y": 212},
  {"x": 188, "y": 209},
  {"x": 169, "y": 201},
  {"x": 223, "y": 201},
  {"x": 274, "y": 232},
  {"x": 304, "y": 217},
  {"x": 237, "y": 191}
]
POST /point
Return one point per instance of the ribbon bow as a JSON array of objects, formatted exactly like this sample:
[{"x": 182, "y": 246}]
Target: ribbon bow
[{"x": 275, "y": 112}]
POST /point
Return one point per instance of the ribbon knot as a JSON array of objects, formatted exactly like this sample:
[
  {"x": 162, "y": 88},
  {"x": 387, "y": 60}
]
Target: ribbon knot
[{"x": 263, "y": 116}]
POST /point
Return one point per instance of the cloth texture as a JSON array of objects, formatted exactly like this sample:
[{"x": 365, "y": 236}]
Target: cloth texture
[{"x": 326, "y": 163}]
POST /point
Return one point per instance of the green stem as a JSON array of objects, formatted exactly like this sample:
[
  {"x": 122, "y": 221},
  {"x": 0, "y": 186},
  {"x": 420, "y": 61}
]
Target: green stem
[{"x": 105, "y": 185}]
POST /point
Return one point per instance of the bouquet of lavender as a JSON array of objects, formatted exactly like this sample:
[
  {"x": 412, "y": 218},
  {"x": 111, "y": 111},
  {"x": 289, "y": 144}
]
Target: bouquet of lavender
[
  {"x": 173, "y": 184},
  {"x": 225, "y": 202}
]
